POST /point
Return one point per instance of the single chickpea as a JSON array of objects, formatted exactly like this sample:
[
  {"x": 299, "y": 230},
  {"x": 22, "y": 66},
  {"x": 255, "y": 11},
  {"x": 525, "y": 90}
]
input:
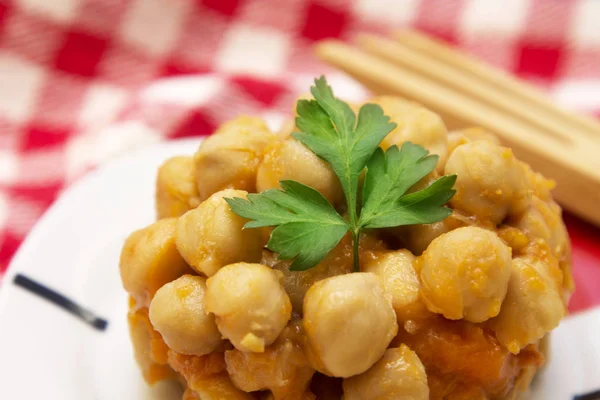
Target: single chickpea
[
  {"x": 396, "y": 271},
  {"x": 149, "y": 259},
  {"x": 211, "y": 236},
  {"x": 533, "y": 304},
  {"x": 416, "y": 124},
  {"x": 544, "y": 220},
  {"x": 250, "y": 305},
  {"x": 229, "y": 158},
  {"x": 491, "y": 183},
  {"x": 177, "y": 312},
  {"x": 349, "y": 322},
  {"x": 464, "y": 274},
  {"x": 290, "y": 160},
  {"x": 176, "y": 190}
]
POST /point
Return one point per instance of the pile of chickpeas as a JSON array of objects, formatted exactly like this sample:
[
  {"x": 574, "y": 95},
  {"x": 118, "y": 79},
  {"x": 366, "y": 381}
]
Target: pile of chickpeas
[{"x": 458, "y": 309}]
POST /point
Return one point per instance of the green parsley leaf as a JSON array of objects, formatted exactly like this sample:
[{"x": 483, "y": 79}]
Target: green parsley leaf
[
  {"x": 330, "y": 129},
  {"x": 308, "y": 227},
  {"x": 389, "y": 175}
]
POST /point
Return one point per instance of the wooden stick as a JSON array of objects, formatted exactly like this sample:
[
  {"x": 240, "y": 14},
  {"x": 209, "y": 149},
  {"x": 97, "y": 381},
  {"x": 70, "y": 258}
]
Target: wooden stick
[
  {"x": 545, "y": 119},
  {"x": 574, "y": 166},
  {"x": 495, "y": 79}
]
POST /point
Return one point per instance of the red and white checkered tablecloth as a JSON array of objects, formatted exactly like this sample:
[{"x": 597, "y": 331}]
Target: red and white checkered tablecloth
[{"x": 71, "y": 67}]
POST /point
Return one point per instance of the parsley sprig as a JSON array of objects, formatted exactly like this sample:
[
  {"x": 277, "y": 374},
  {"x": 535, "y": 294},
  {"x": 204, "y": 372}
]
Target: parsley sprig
[{"x": 307, "y": 227}]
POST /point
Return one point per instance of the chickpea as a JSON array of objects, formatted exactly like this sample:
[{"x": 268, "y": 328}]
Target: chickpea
[
  {"x": 464, "y": 274},
  {"x": 176, "y": 190},
  {"x": 491, "y": 183},
  {"x": 149, "y": 259},
  {"x": 177, "y": 313},
  {"x": 349, "y": 322},
  {"x": 533, "y": 304},
  {"x": 544, "y": 220},
  {"x": 416, "y": 124},
  {"x": 250, "y": 305},
  {"x": 396, "y": 271},
  {"x": 290, "y": 159},
  {"x": 398, "y": 375},
  {"x": 229, "y": 158},
  {"x": 211, "y": 236}
]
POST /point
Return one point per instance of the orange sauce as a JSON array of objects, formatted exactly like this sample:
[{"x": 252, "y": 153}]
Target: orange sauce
[{"x": 464, "y": 360}]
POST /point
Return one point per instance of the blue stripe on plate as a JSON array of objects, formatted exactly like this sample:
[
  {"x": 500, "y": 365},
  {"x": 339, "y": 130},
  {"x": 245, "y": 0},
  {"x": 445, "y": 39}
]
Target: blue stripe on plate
[
  {"x": 595, "y": 395},
  {"x": 61, "y": 301}
]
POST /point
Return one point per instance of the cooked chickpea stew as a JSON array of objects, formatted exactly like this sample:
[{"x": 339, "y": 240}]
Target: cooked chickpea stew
[{"x": 455, "y": 309}]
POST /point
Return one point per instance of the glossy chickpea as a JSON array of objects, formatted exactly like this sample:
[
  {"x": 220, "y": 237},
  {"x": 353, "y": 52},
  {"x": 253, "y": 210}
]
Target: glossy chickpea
[
  {"x": 416, "y": 124},
  {"x": 396, "y": 271},
  {"x": 544, "y": 220},
  {"x": 176, "y": 190},
  {"x": 211, "y": 236},
  {"x": 464, "y": 274},
  {"x": 491, "y": 183},
  {"x": 349, "y": 322},
  {"x": 398, "y": 375},
  {"x": 229, "y": 158},
  {"x": 250, "y": 305},
  {"x": 149, "y": 259},
  {"x": 533, "y": 304},
  {"x": 177, "y": 312},
  {"x": 290, "y": 160}
]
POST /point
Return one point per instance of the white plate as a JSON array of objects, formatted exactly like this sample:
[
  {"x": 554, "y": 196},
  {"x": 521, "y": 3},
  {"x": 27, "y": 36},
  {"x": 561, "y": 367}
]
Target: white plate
[
  {"x": 74, "y": 249},
  {"x": 46, "y": 353}
]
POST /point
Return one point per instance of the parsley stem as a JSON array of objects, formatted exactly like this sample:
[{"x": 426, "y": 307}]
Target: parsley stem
[
  {"x": 355, "y": 239},
  {"x": 354, "y": 227}
]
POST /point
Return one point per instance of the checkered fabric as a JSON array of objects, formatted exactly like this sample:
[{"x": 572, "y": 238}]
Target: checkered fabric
[{"x": 69, "y": 68}]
